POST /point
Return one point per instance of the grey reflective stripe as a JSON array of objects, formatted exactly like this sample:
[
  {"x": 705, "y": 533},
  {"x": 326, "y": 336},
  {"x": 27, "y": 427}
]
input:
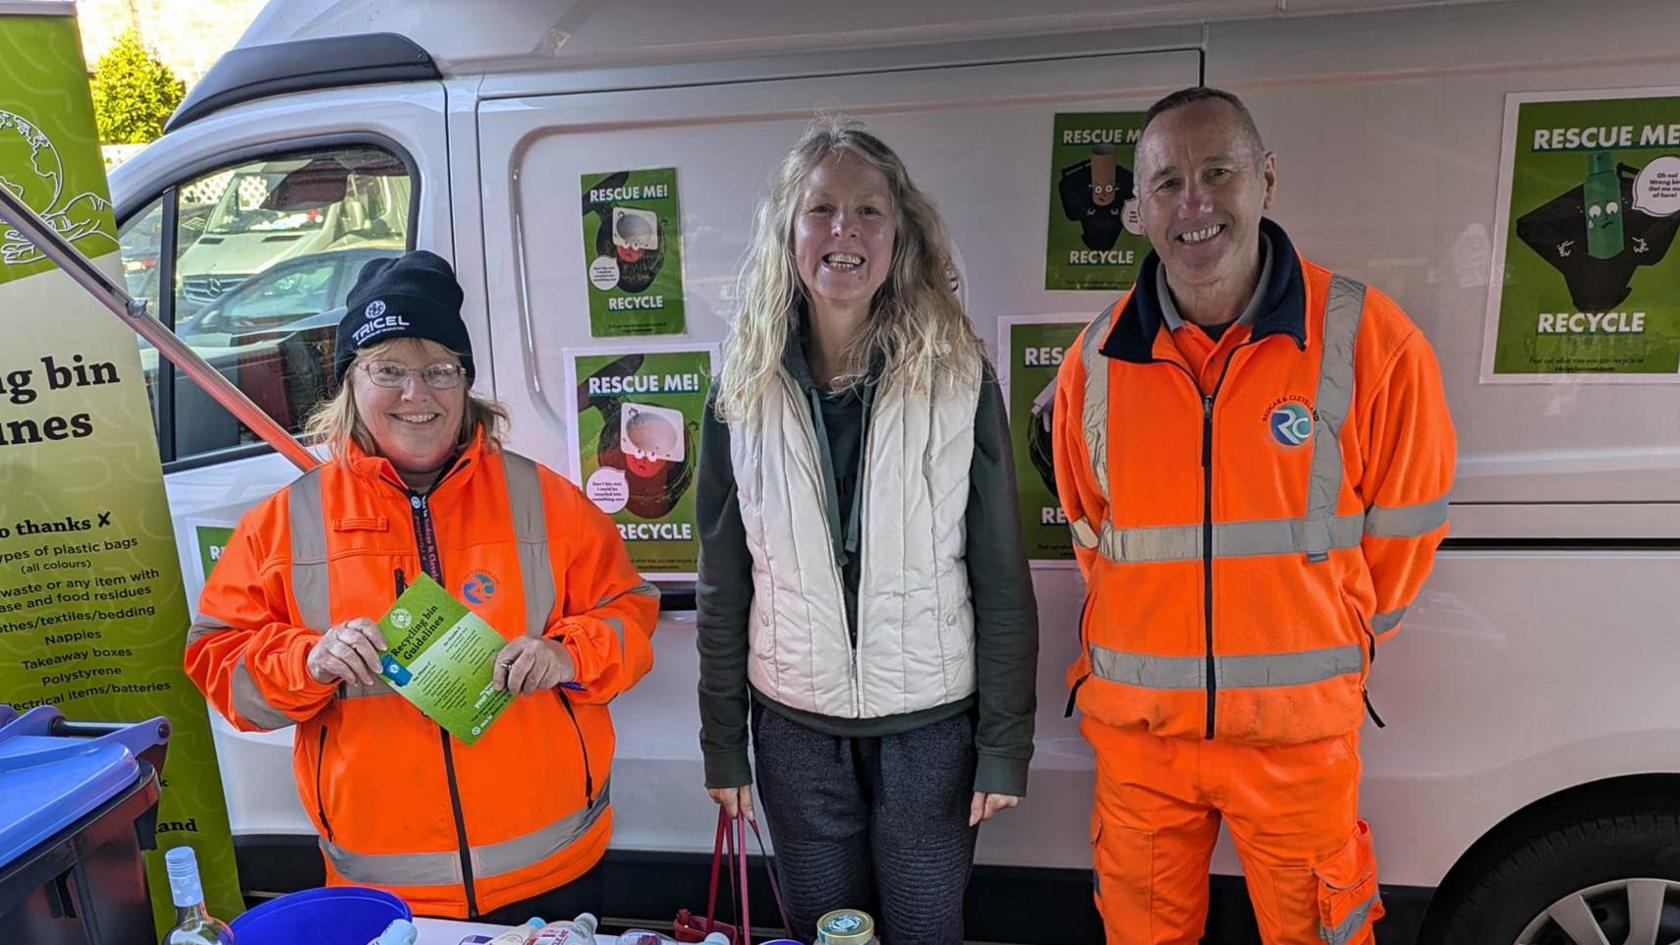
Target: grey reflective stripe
[
  {"x": 530, "y": 529},
  {"x": 441, "y": 869},
  {"x": 1355, "y": 921},
  {"x": 308, "y": 523},
  {"x": 1230, "y": 539},
  {"x": 1342, "y": 310},
  {"x": 1083, "y": 534},
  {"x": 617, "y": 626},
  {"x": 204, "y": 626},
  {"x": 1094, "y": 417},
  {"x": 644, "y": 589},
  {"x": 1406, "y": 521},
  {"x": 1384, "y": 622},
  {"x": 248, "y": 700},
  {"x": 1230, "y": 672}
]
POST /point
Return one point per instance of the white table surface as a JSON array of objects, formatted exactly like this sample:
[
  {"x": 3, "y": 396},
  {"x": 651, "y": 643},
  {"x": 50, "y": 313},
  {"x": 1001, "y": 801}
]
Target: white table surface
[{"x": 447, "y": 932}]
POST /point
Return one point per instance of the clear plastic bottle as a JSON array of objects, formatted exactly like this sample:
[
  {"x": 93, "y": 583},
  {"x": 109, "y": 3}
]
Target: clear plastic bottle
[
  {"x": 194, "y": 925},
  {"x": 578, "y": 931}
]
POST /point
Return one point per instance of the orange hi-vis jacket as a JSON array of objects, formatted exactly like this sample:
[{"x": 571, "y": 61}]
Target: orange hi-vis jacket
[
  {"x": 1249, "y": 532},
  {"x": 454, "y": 829}
]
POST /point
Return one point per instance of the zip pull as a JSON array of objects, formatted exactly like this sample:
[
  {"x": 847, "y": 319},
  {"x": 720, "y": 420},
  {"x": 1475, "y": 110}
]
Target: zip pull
[
  {"x": 1372, "y": 709},
  {"x": 1073, "y": 696},
  {"x": 1207, "y": 430}
]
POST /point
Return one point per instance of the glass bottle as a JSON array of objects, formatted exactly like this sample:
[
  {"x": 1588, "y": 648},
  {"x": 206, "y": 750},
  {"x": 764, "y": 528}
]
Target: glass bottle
[{"x": 194, "y": 925}]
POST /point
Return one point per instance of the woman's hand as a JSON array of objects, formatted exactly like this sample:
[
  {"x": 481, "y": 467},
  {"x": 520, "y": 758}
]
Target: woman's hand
[
  {"x": 737, "y": 801},
  {"x": 528, "y": 664},
  {"x": 985, "y": 806},
  {"x": 348, "y": 653}
]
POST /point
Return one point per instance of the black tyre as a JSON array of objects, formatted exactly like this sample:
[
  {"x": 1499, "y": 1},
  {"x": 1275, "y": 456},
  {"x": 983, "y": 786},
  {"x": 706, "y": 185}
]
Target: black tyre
[{"x": 1604, "y": 876}]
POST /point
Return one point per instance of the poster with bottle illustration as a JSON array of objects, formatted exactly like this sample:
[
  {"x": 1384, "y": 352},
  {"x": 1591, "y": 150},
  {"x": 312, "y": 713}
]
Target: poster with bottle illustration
[
  {"x": 632, "y": 253},
  {"x": 1096, "y": 240},
  {"x": 1586, "y": 287},
  {"x": 636, "y": 412},
  {"x": 1033, "y": 347}
]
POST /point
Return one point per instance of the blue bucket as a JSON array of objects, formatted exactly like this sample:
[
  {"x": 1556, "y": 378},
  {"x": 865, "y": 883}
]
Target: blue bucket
[{"x": 337, "y": 915}]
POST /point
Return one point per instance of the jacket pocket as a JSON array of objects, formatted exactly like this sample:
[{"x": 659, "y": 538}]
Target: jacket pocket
[{"x": 1348, "y": 898}]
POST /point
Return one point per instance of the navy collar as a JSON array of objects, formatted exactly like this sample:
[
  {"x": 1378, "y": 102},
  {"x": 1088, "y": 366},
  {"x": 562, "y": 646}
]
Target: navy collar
[{"x": 1283, "y": 306}]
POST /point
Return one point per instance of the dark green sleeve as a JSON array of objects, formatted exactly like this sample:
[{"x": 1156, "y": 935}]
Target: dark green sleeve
[
  {"x": 723, "y": 594},
  {"x": 1005, "y": 610}
]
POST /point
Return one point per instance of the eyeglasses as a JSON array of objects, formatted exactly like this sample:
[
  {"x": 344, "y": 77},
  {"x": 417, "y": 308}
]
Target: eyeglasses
[{"x": 440, "y": 376}]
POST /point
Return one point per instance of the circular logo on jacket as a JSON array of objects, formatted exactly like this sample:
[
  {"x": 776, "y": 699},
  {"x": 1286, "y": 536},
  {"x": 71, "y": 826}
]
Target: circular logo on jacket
[
  {"x": 375, "y": 308},
  {"x": 1291, "y": 423},
  {"x": 478, "y": 587}
]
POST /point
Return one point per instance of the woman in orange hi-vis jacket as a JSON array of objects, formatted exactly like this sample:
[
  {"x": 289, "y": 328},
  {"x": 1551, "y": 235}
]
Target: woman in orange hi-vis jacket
[
  {"x": 419, "y": 484},
  {"x": 1254, "y": 454}
]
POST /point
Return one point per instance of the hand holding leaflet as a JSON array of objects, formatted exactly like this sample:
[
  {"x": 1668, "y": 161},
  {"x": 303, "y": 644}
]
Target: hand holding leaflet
[{"x": 441, "y": 658}]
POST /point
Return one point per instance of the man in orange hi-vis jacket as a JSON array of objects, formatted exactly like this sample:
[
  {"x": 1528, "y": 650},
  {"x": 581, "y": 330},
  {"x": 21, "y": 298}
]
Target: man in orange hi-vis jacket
[{"x": 1255, "y": 456}]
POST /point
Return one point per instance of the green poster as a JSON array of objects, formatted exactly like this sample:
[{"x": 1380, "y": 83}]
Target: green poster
[
  {"x": 442, "y": 659},
  {"x": 638, "y": 442},
  {"x": 212, "y": 541},
  {"x": 632, "y": 253},
  {"x": 93, "y": 617},
  {"x": 1033, "y": 347},
  {"x": 1096, "y": 240},
  {"x": 1589, "y": 206}
]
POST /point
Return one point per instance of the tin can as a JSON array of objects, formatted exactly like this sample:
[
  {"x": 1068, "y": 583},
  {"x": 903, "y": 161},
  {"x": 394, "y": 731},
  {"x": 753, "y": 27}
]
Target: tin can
[{"x": 846, "y": 927}]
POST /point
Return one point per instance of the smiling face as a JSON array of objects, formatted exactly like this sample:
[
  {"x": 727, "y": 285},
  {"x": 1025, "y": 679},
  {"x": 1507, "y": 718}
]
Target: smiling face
[
  {"x": 843, "y": 233},
  {"x": 415, "y": 426},
  {"x": 1201, "y": 192}
]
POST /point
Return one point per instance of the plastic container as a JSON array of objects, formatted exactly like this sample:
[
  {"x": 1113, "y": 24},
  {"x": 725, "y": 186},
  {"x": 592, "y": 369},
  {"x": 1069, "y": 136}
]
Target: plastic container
[
  {"x": 578, "y": 931},
  {"x": 78, "y": 802},
  {"x": 337, "y": 915}
]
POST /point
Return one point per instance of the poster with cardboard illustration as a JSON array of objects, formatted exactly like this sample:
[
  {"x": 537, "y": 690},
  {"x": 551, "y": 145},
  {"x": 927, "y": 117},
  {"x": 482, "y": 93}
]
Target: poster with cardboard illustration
[{"x": 1095, "y": 239}]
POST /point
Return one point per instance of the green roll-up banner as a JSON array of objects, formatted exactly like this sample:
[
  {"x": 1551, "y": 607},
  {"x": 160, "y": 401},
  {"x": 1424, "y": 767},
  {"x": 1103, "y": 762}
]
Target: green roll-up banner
[{"x": 93, "y": 616}]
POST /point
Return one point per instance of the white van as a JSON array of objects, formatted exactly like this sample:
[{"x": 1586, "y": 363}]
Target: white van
[{"x": 1527, "y": 785}]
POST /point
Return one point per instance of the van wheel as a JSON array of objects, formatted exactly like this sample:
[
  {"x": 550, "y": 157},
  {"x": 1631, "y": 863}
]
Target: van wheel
[{"x": 1607, "y": 877}]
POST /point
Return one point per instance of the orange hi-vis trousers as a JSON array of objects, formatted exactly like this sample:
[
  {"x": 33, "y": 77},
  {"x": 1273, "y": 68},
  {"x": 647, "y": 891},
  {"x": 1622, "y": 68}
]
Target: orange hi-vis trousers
[{"x": 1293, "y": 813}]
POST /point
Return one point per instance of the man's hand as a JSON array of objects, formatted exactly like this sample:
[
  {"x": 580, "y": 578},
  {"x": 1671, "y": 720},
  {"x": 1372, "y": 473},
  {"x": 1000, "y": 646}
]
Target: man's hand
[
  {"x": 528, "y": 664},
  {"x": 985, "y": 806},
  {"x": 348, "y": 653},
  {"x": 737, "y": 801}
]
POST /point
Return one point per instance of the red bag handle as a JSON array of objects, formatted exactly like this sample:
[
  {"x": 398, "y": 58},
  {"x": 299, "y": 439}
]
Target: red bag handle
[{"x": 732, "y": 835}]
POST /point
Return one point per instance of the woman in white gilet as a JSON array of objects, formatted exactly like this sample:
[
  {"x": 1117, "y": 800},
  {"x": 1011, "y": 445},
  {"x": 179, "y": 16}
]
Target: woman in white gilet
[{"x": 865, "y": 607}]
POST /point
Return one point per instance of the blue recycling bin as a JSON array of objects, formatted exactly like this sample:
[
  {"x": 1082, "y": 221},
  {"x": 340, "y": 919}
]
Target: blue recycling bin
[{"x": 78, "y": 802}]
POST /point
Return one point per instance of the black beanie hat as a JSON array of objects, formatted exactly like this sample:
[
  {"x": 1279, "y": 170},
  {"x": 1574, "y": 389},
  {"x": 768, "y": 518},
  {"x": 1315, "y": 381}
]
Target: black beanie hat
[{"x": 412, "y": 296}]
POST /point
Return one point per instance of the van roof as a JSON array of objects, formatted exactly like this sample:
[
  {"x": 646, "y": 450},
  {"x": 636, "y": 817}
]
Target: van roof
[
  {"x": 294, "y": 45},
  {"x": 469, "y": 36}
]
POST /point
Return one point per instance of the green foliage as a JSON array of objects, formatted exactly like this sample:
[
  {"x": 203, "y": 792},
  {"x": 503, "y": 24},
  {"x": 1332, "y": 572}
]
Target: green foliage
[{"x": 134, "y": 93}]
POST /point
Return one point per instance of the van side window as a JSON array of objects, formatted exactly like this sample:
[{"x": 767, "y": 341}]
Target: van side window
[{"x": 262, "y": 256}]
